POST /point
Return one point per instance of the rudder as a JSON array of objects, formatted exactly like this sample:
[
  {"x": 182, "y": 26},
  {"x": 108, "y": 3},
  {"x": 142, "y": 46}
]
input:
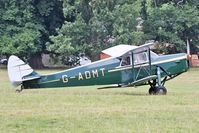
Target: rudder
[{"x": 19, "y": 71}]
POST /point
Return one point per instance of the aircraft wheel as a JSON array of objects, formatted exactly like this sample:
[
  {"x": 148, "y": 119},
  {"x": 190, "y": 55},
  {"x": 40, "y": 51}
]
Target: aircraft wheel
[
  {"x": 152, "y": 90},
  {"x": 161, "y": 90},
  {"x": 18, "y": 91}
]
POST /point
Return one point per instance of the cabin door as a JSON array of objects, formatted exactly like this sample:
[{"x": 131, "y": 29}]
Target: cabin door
[
  {"x": 141, "y": 65},
  {"x": 126, "y": 66}
]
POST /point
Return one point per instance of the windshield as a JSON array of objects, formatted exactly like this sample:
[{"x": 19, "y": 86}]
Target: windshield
[{"x": 153, "y": 55}]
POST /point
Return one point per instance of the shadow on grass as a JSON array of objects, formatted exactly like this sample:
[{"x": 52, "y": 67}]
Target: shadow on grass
[
  {"x": 122, "y": 93},
  {"x": 131, "y": 94}
]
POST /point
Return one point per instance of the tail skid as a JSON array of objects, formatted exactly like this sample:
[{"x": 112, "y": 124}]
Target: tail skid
[{"x": 19, "y": 71}]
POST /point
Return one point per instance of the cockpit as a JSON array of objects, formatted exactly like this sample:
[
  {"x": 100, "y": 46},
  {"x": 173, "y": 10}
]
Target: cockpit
[{"x": 138, "y": 58}]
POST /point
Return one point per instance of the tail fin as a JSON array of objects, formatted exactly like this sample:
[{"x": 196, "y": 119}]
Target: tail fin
[{"x": 18, "y": 71}]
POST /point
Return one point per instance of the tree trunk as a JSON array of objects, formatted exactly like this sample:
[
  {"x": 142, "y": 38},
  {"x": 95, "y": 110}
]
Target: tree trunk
[{"x": 36, "y": 61}]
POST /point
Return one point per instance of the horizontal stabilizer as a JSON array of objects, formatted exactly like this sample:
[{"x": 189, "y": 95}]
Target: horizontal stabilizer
[
  {"x": 18, "y": 71},
  {"x": 31, "y": 76}
]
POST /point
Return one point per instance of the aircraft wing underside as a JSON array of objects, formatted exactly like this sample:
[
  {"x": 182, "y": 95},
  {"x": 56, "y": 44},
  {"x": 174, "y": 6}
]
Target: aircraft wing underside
[
  {"x": 142, "y": 81},
  {"x": 135, "y": 83}
]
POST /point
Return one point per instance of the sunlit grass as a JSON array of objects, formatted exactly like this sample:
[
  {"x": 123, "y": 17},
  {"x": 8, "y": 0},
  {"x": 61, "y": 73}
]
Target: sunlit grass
[{"x": 86, "y": 109}]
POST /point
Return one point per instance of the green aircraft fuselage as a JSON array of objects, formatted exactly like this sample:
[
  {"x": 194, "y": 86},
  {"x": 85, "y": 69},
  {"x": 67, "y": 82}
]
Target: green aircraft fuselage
[{"x": 110, "y": 71}]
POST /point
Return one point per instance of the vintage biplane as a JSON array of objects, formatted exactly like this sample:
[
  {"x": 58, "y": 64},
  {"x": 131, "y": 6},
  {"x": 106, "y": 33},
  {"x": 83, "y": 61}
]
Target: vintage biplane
[{"x": 128, "y": 66}]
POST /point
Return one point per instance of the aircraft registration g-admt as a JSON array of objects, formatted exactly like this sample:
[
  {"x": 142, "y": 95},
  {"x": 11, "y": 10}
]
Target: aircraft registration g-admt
[{"x": 128, "y": 66}]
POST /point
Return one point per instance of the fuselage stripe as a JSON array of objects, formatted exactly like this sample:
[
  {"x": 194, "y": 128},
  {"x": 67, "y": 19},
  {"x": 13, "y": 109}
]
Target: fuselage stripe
[
  {"x": 119, "y": 69},
  {"x": 50, "y": 81}
]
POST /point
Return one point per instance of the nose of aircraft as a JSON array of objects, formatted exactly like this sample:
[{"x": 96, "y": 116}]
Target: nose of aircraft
[{"x": 188, "y": 57}]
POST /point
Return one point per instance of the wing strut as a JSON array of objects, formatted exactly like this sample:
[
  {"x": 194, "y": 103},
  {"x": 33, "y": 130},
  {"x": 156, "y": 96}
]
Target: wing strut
[
  {"x": 133, "y": 70},
  {"x": 149, "y": 54},
  {"x": 146, "y": 48}
]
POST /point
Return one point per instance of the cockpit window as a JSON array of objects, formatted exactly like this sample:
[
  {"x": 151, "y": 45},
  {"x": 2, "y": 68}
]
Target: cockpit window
[
  {"x": 140, "y": 58},
  {"x": 126, "y": 61}
]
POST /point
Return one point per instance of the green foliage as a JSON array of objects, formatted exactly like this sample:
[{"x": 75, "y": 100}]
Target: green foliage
[
  {"x": 172, "y": 22},
  {"x": 70, "y": 38},
  {"x": 93, "y": 23},
  {"x": 125, "y": 22},
  {"x": 19, "y": 44},
  {"x": 25, "y": 25},
  {"x": 18, "y": 33},
  {"x": 37, "y": 26}
]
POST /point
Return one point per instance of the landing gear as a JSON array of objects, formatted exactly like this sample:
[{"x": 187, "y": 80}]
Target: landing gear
[
  {"x": 160, "y": 89},
  {"x": 19, "y": 90},
  {"x": 157, "y": 90},
  {"x": 152, "y": 90}
]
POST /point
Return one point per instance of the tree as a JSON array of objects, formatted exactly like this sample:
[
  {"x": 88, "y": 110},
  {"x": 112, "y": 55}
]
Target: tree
[
  {"x": 93, "y": 23},
  {"x": 18, "y": 33},
  {"x": 172, "y": 22},
  {"x": 50, "y": 15},
  {"x": 127, "y": 18},
  {"x": 25, "y": 26}
]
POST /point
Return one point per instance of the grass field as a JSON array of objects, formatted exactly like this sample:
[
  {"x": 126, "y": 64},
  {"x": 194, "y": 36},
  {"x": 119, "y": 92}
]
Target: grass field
[{"x": 88, "y": 110}]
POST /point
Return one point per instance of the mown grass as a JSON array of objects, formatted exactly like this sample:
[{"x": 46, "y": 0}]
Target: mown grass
[{"x": 88, "y": 110}]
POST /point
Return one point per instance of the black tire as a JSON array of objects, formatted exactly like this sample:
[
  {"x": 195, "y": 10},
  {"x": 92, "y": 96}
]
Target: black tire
[
  {"x": 161, "y": 90},
  {"x": 152, "y": 90}
]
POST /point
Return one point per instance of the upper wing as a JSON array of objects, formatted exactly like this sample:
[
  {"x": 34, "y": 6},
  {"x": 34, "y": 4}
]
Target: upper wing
[{"x": 139, "y": 49}]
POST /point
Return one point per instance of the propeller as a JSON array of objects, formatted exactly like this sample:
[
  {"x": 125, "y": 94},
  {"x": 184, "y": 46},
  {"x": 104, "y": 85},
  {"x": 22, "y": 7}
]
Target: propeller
[{"x": 188, "y": 54}]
